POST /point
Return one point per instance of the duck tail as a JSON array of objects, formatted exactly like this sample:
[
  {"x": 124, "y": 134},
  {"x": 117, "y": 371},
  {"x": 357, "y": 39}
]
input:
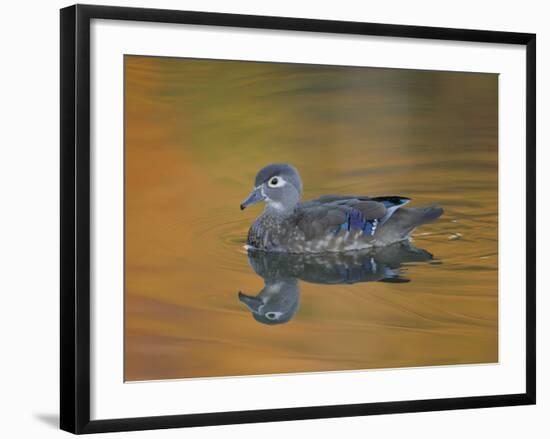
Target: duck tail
[
  {"x": 406, "y": 220},
  {"x": 429, "y": 214}
]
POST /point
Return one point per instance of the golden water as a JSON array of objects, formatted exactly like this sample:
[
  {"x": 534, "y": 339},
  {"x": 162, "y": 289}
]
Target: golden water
[{"x": 196, "y": 133}]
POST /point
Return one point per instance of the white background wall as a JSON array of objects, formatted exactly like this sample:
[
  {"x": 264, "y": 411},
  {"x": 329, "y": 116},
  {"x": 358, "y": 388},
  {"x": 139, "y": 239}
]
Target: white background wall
[{"x": 29, "y": 250}]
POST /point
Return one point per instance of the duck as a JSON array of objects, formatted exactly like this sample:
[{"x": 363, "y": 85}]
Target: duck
[{"x": 330, "y": 223}]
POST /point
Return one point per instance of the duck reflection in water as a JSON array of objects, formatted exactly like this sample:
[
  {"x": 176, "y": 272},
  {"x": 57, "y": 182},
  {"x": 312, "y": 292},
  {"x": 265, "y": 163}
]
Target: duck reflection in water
[{"x": 279, "y": 300}]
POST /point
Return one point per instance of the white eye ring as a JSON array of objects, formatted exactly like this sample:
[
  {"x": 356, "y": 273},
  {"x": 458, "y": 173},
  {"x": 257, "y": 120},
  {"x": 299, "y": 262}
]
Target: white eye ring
[{"x": 275, "y": 182}]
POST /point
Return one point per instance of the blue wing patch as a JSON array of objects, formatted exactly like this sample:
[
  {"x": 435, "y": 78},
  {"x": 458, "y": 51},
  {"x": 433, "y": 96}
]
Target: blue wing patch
[
  {"x": 370, "y": 227},
  {"x": 356, "y": 221}
]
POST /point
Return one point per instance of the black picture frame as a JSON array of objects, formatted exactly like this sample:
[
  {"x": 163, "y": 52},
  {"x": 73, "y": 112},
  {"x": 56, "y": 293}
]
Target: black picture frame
[{"x": 75, "y": 217}]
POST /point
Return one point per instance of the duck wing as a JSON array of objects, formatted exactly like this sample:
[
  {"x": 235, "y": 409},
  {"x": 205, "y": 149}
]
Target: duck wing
[{"x": 334, "y": 213}]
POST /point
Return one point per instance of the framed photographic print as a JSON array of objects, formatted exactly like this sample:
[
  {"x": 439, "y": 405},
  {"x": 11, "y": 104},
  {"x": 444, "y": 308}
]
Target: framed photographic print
[{"x": 268, "y": 218}]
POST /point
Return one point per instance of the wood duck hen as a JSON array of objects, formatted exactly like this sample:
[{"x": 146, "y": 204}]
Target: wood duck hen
[{"x": 330, "y": 223}]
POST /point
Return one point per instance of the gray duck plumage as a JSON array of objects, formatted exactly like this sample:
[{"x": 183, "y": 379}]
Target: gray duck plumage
[{"x": 330, "y": 223}]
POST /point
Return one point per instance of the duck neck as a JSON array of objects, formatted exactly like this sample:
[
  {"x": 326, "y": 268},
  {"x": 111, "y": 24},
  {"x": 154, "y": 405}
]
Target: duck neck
[{"x": 278, "y": 210}]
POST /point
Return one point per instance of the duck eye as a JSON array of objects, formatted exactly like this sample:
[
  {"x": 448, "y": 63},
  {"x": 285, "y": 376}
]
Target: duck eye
[{"x": 274, "y": 182}]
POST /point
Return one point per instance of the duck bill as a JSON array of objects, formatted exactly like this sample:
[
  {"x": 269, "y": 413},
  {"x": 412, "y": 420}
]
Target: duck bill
[
  {"x": 252, "y": 303},
  {"x": 255, "y": 197}
]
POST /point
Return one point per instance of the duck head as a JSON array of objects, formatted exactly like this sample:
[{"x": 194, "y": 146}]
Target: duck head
[{"x": 279, "y": 186}]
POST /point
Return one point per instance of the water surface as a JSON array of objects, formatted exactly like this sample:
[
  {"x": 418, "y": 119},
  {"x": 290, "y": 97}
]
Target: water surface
[{"x": 196, "y": 133}]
